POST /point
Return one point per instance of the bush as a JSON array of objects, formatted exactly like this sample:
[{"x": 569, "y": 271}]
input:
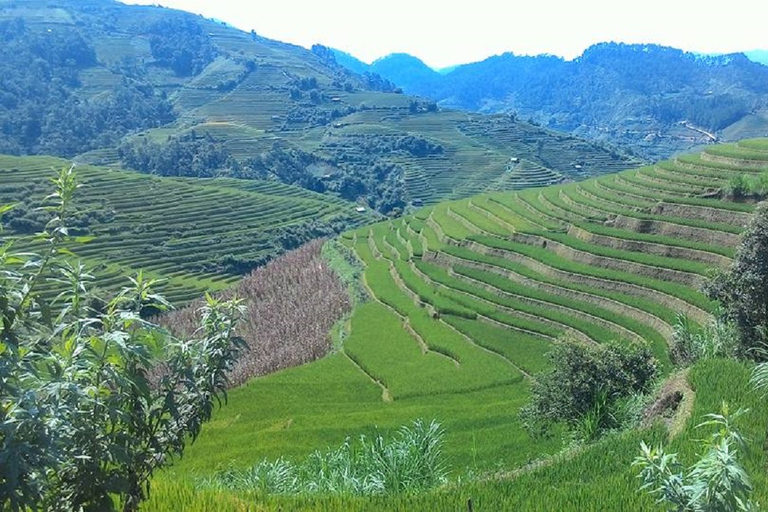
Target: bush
[
  {"x": 94, "y": 397},
  {"x": 742, "y": 290},
  {"x": 585, "y": 384}
]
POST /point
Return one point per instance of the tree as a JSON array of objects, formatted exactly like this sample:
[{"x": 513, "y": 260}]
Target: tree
[
  {"x": 93, "y": 397},
  {"x": 742, "y": 290}
]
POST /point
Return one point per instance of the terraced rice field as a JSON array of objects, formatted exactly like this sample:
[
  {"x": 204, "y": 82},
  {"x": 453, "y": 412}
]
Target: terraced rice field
[
  {"x": 611, "y": 258},
  {"x": 182, "y": 230},
  {"x": 466, "y": 298}
]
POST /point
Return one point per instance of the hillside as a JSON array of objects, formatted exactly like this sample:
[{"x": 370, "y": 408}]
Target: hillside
[
  {"x": 655, "y": 100},
  {"x": 466, "y": 298},
  {"x": 404, "y": 70},
  {"x": 196, "y": 235},
  {"x": 170, "y": 93}
]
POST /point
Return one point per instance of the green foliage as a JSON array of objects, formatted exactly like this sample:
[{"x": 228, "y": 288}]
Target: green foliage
[
  {"x": 184, "y": 156},
  {"x": 94, "y": 401},
  {"x": 716, "y": 482},
  {"x": 584, "y": 382},
  {"x": 35, "y": 99},
  {"x": 690, "y": 342},
  {"x": 410, "y": 462},
  {"x": 742, "y": 290},
  {"x": 744, "y": 185},
  {"x": 181, "y": 44}
]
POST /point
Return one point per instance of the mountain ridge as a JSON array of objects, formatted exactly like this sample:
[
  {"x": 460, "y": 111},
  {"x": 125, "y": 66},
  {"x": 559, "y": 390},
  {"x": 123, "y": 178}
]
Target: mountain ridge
[
  {"x": 172, "y": 93},
  {"x": 654, "y": 99}
]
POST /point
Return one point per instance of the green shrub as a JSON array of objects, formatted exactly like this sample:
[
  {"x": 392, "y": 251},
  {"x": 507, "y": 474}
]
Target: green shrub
[
  {"x": 94, "y": 398},
  {"x": 742, "y": 290},
  {"x": 583, "y": 384}
]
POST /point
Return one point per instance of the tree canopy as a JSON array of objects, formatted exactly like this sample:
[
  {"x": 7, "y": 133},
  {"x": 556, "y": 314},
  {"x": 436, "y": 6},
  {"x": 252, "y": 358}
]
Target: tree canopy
[{"x": 742, "y": 290}]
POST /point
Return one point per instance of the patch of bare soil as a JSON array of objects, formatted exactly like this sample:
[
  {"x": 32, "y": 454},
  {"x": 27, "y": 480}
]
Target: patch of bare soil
[{"x": 673, "y": 404}]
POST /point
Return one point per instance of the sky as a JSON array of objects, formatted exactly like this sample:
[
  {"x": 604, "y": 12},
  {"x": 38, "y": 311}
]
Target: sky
[{"x": 445, "y": 33}]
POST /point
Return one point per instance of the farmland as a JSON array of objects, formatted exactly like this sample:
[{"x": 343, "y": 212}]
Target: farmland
[
  {"x": 466, "y": 297},
  {"x": 197, "y": 235}
]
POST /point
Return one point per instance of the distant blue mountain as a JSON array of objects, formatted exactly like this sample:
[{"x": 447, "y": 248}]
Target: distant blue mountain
[
  {"x": 405, "y": 70},
  {"x": 350, "y": 62},
  {"x": 654, "y": 99}
]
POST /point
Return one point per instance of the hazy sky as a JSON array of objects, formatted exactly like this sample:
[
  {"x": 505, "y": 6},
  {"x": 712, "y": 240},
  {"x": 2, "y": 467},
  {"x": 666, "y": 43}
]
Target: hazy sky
[{"x": 444, "y": 33}]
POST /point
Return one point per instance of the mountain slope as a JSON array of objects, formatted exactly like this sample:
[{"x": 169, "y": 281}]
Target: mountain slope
[
  {"x": 194, "y": 235},
  {"x": 170, "y": 93},
  {"x": 653, "y": 99},
  {"x": 466, "y": 298}
]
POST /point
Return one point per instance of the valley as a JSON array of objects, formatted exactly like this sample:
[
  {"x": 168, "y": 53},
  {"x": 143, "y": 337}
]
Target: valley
[
  {"x": 232, "y": 270},
  {"x": 466, "y": 299}
]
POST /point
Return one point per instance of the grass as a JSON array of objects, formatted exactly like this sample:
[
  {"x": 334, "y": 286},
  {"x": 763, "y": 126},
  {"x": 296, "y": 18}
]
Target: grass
[
  {"x": 455, "y": 337},
  {"x": 294, "y": 412},
  {"x": 682, "y": 292},
  {"x": 600, "y": 229},
  {"x": 453, "y": 331},
  {"x": 643, "y": 258},
  {"x": 505, "y": 285}
]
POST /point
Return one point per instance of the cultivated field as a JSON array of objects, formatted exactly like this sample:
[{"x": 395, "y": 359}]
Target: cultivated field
[
  {"x": 198, "y": 235},
  {"x": 466, "y": 297}
]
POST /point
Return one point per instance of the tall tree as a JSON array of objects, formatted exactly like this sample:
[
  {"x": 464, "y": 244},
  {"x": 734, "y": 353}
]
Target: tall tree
[{"x": 742, "y": 290}]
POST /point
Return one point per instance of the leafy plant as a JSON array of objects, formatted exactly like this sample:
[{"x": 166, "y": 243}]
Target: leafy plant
[
  {"x": 410, "y": 462},
  {"x": 716, "y": 482},
  {"x": 691, "y": 343},
  {"x": 742, "y": 290},
  {"x": 584, "y": 384},
  {"x": 93, "y": 397}
]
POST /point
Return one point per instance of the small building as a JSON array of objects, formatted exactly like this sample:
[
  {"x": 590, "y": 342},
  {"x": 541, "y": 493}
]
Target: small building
[
  {"x": 417, "y": 202},
  {"x": 514, "y": 160},
  {"x": 360, "y": 209}
]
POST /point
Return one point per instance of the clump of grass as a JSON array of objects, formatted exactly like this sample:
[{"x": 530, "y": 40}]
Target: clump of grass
[
  {"x": 691, "y": 342},
  {"x": 412, "y": 461},
  {"x": 746, "y": 186}
]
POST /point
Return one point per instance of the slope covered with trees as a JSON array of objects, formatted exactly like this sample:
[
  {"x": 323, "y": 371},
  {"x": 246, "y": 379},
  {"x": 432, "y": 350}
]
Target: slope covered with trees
[{"x": 652, "y": 99}]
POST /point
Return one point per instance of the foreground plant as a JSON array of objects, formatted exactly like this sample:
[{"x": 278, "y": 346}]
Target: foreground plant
[
  {"x": 412, "y": 461},
  {"x": 93, "y": 398},
  {"x": 716, "y": 482}
]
